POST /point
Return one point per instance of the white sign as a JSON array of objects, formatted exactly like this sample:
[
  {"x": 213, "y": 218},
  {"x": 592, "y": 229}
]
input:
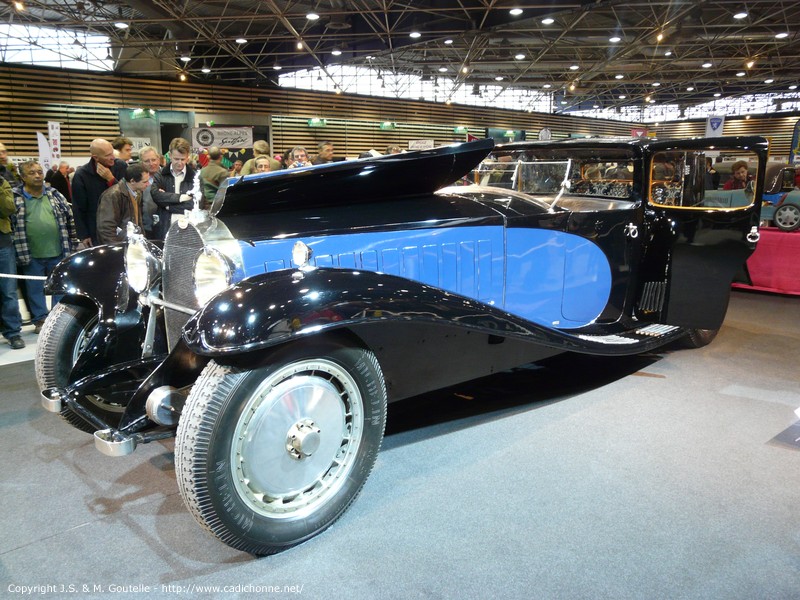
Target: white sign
[
  {"x": 421, "y": 144},
  {"x": 714, "y": 125},
  {"x": 222, "y": 137},
  {"x": 139, "y": 143},
  {"x": 44, "y": 151},
  {"x": 54, "y": 133}
]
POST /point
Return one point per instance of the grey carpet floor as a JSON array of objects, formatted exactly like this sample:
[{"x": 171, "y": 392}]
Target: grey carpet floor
[{"x": 659, "y": 476}]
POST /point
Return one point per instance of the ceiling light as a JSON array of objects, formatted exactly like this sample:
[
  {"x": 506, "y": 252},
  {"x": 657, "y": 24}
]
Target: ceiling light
[
  {"x": 336, "y": 52},
  {"x": 442, "y": 69},
  {"x": 690, "y": 89},
  {"x": 185, "y": 58},
  {"x": 574, "y": 68},
  {"x": 750, "y": 64},
  {"x": 768, "y": 80},
  {"x": 615, "y": 39},
  {"x": 465, "y": 69},
  {"x": 515, "y": 12},
  {"x": 312, "y": 16},
  {"x": 299, "y": 44},
  {"x": 647, "y": 98},
  {"x": 660, "y": 37},
  {"x": 656, "y": 84},
  {"x": 563, "y": 102},
  {"x": 619, "y": 76},
  {"x": 277, "y": 67},
  {"x": 205, "y": 69},
  {"x": 622, "y": 96},
  {"x": 519, "y": 56},
  {"x": 448, "y": 41},
  {"x": 717, "y": 95},
  {"x": 572, "y": 87},
  {"x": 595, "y": 106},
  {"x": 740, "y": 74},
  {"x": 792, "y": 87},
  {"x": 241, "y": 41},
  {"x": 19, "y": 6},
  {"x": 652, "y": 101},
  {"x": 742, "y": 14},
  {"x": 668, "y": 53},
  {"x": 747, "y": 118},
  {"x": 547, "y": 86},
  {"x": 120, "y": 25},
  {"x": 182, "y": 76},
  {"x": 499, "y": 78},
  {"x": 415, "y": 34},
  {"x": 707, "y": 65},
  {"x": 548, "y": 21},
  {"x": 781, "y": 35}
]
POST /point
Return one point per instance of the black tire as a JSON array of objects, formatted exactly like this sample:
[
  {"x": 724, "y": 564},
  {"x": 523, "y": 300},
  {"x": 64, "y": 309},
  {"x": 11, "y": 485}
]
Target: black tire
[
  {"x": 298, "y": 463},
  {"x": 697, "y": 338},
  {"x": 61, "y": 340},
  {"x": 787, "y": 217}
]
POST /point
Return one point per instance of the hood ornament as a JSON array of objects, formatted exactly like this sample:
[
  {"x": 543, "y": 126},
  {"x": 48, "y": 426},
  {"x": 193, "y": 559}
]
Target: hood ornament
[{"x": 197, "y": 215}]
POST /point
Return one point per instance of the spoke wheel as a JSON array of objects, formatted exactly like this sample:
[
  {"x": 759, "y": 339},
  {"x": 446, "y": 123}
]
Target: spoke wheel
[
  {"x": 267, "y": 458},
  {"x": 62, "y": 339},
  {"x": 787, "y": 217}
]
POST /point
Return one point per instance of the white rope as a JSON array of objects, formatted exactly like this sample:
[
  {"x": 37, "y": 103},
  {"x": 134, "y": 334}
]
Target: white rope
[{"x": 35, "y": 277}]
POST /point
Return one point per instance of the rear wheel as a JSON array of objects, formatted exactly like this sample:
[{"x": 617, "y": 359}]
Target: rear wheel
[
  {"x": 63, "y": 337},
  {"x": 267, "y": 458},
  {"x": 787, "y": 217},
  {"x": 697, "y": 338}
]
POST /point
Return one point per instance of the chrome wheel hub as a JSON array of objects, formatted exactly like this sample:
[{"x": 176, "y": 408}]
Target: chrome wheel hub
[{"x": 303, "y": 439}]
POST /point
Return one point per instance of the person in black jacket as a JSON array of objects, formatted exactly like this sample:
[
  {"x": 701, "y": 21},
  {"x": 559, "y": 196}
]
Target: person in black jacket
[
  {"x": 89, "y": 182},
  {"x": 171, "y": 186},
  {"x": 61, "y": 182}
]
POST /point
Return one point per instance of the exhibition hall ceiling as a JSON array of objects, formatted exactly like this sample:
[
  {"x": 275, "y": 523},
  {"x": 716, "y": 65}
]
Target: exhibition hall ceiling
[{"x": 585, "y": 52}]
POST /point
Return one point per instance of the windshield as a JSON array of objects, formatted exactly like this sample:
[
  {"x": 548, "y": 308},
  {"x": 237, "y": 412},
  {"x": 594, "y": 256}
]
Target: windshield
[{"x": 585, "y": 175}]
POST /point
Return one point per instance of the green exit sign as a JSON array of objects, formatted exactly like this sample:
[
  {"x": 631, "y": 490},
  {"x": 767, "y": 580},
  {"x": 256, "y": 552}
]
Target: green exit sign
[
  {"x": 316, "y": 122},
  {"x": 461, "y": 129},
  {"x": 388, "y": 125}
]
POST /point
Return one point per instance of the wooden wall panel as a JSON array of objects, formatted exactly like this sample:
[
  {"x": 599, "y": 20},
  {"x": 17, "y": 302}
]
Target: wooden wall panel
[{"x": 87, "y": 106}]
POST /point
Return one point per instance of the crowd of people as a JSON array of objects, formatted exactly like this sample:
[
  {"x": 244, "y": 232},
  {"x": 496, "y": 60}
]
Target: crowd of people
[{"x": 45, "y": 216}]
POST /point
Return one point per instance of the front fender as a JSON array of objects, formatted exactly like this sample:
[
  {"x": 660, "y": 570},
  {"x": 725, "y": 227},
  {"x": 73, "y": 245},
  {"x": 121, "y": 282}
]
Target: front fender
[
  {"x": 98, "y": 274},
  {"x": 276, "y": 307}
]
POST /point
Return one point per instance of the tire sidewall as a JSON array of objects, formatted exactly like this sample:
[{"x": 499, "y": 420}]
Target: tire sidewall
[{"x": 255, "y": 528}]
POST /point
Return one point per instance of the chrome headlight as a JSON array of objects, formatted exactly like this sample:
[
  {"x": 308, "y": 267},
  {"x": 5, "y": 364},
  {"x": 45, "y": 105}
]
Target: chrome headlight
[
  {"x": 212, "y": 274},
  {"x": 142, "y": 263}
]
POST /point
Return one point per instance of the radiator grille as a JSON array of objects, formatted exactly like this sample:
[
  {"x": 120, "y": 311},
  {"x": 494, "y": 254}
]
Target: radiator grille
[
  {"x": 653, "y": 295},
  {"x": 180, "y": 250}
]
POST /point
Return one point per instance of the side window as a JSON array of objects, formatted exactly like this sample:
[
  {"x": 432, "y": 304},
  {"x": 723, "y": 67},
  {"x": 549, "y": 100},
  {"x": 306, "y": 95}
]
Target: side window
[
  {"x": 681, "y": 178},
  {"x": 788, "y": 180}
]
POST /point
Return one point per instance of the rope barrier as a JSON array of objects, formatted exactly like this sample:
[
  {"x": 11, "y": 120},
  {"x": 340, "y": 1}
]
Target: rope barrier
[{"x": 34, "y": 277}]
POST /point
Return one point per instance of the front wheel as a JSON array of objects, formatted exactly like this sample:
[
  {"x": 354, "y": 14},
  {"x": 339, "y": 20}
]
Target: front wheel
[
  {"x": 62, "y": 339},
  {"x": 267, "y": 458}
]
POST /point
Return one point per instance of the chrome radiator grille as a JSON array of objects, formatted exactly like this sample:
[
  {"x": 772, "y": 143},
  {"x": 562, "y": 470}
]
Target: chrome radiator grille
[
  {"x": 180, "y": 250},
  {"x": 653, "y": 296}
]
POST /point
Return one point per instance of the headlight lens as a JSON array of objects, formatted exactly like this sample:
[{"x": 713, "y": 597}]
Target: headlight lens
[
  {"x": 142, "y": 264},
  {"x": 212, "y": 274}
]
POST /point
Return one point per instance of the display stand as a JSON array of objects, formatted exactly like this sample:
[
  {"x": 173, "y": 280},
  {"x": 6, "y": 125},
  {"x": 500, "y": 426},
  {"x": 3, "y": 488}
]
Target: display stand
[{"x": 775, "y": 265}]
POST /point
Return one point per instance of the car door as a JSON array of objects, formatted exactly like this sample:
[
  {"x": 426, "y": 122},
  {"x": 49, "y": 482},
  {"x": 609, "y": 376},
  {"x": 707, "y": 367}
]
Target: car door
[{"x": 696, "y": 240}]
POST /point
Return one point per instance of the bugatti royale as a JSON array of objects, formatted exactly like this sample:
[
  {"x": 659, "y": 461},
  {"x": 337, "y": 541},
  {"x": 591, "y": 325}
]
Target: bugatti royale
[{"x": 268, "y": 332}]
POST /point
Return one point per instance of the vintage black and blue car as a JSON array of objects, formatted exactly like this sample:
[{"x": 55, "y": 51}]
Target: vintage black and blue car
[{"x": 268, "y": 332}]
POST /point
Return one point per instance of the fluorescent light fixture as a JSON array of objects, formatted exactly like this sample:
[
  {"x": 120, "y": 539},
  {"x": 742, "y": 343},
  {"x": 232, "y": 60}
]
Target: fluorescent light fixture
[
  {"x": 668, "y": 53},
  {"x": 121, "y": 25},
  {"x": 619, "y": 76},
  {"x": 615, "y": 39},
  {"x": 548, "y": 21},
  {"x": 185, "y": 58},
  {"x": 742, "y": 14},
  {"x": 515, "y": 12},
  {"x": 241, "y": 41},
  {"x": 690, "y": 89},
  {"x": 792, "y": 87},
  {"x": 622, "y": 96},
  {"x": 707, "y": 65},
  {"x": 205, "y": 69},
  {"x": 277, "y": 67},
  {"x": 781, "y": 35},
  {"x": 656, "y": 84},
  {"x": 740, "y": 74},
  {"x": 415, "y": 34},
  {"x": 717, "y": 95},
  {"x": 769, "y": 80},
  {"x": 519, "y": 56},
  {"x": 499, "y": 78},
  {"x": 547, "y": 86},
  {"x": 574, "y": 68},
  {"x": 448, "y": 41},
  {"x": 312, "y": 16},
  {"x": 442, "y": 69},
  {"x": 336, "y": 52}
]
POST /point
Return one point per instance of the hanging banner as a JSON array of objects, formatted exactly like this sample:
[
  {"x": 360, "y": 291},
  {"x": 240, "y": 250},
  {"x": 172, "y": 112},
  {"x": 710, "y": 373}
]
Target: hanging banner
[
  {"x": 714, "y": 125},
  {"x": 794, "y": 156},
  {"x": 54, "y": 133},
  {"x": 44, "y": 151},
  {"x": 223, "y": 137}
]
